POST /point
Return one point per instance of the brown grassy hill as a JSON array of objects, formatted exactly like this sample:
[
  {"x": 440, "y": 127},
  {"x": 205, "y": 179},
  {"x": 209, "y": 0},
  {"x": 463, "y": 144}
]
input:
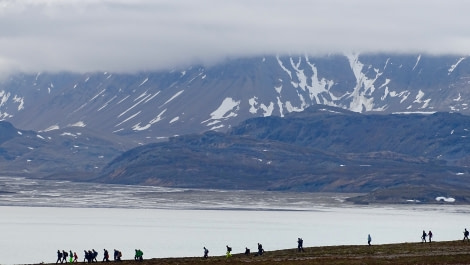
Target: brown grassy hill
[{"x": 448, "y": 252}]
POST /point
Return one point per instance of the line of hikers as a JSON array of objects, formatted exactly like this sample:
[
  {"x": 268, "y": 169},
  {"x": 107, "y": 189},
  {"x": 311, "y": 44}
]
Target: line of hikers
[
  {"x": 429, "y": 235},
  {"x": 424, "y": 235},
  {"x": 228, "y": 254},
  {"x": 300, "y": 244},
  {"x": 92, "y": 255},
  {"x": 63, "y": 255}
]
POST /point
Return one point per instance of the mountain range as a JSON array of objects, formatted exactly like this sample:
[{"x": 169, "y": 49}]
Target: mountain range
[
  {"x": 151, "y": 106},
  {"x": 393, "y": 126}
]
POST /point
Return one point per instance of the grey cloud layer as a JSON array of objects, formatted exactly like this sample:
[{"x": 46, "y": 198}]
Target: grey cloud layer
[{"x": 133, "y": 35}]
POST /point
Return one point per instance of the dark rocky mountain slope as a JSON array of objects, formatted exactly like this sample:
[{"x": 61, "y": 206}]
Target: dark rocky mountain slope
[
  {"x": 320, "y": 149},
  {"x": 72, "y": 153}
]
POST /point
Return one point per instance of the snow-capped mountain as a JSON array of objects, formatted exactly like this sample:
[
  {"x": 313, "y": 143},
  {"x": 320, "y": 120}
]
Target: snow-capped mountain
[{"x": 149, "y": 106}]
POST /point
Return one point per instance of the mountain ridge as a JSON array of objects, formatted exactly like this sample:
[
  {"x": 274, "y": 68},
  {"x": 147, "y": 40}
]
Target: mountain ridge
[{"x": 151, "y": 106}]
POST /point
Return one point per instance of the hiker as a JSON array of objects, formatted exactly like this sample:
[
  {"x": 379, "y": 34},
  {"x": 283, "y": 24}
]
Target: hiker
[
  {"x": 70, "y": 256},
  {"x": 430, "y": 236},
  {"x": 85, "y": 257},
  {"x": 94, "y": 256},
  {"x": 206, "y": 253},
  {"x": 105, "y": 255},
  {"x": 247, "y": 251},
  {"x": 64, "y": 256},
  {"x": 59, "y": 257},
  {"x": 423, "y": 237},
  {"x": 260, "y": 250},
  {"x": 117, "y": 255},
  {"x": 75, "y": 257},
  {"x": 139, "y": 255},
  {"x": 300, "y": 244},
  {"x": 465, "y": 235},
  {"x": 229, "y": 249},
  {"x": 90, "y": 256},
  {"x": 369, "y": 239}
]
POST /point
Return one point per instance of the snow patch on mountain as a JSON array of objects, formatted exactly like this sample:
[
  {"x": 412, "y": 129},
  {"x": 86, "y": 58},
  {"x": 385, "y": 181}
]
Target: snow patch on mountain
[
  {"x": 320, "y": 87},
  {"x": 417, "y": 61},
  {"x": 158, "y": 118},
  {"x": 107, "y": 103},
  {"x": 173, "y": 97},
  {"x": 175, "y": 119},
  {"x": 419, "y": 100},
  {"x": 51, "y": 128},
  {"x": 255, "y": 107},
  {"x": 362, "y": 99},
  {"x": 128, "y": 119},
  {"x": 19, "y": 100},
  {"x": 49, "y": 88},
  {"x": 292, "y": 108},
  {"x": 152, "y": 97},
  {"x": 279, "y": 87},
  {"x": 283, "y": 67},
  {"x": 122, "y": 100},
  {"x": 68, "y": 134},
  {"x": 143, "y": 97},
  {"x": 4, "y": 96},
  {"x": 145, "y": 81},
  {"x": 452, "y": 68},
  {"x": 227, "y": 109},
  {"x": 77, "y": 124},
  {"x": 97, "y": 95}
]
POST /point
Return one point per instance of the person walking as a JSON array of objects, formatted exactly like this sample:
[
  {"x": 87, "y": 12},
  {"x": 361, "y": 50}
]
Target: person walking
[
  {"x": 105, "y": 255},
  {"x": 206, "y": 253},
  {"x": 300, "y": 245},
  {"x": 229, "y": 249},
  {"x": 64, "y": 256},
  {"x": 465, "y": 235},
  {"x": 117, "y": 255},
  {"x": 59, "y": 257},
  {"x": 369, "y": 239},
  {"x": 423, "y": 237},
  {"x": 247, "y": 251},
  {"x": 95, "y": 256},
  {"x": 260, "y": 250},
  {"x": 430, "y": 236},
  {"x": 139, "y": 255},
  {"x": 75, "y": 257}
]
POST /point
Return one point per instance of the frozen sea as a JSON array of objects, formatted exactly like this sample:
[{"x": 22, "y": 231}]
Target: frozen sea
[{"x": 39, "y": 217}]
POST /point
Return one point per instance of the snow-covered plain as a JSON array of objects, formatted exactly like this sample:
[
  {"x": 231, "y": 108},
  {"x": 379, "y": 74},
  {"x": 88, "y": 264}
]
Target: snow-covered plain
[{"x": 40, "y": 217}]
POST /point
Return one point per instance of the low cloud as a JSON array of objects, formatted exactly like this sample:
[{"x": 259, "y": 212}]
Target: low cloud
[{"x": 136, "y": 35}]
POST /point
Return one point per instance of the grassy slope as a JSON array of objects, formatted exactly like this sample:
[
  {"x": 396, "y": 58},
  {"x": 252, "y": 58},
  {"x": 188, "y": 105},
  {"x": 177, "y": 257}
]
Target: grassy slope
[{"x": 449, "y": 252}]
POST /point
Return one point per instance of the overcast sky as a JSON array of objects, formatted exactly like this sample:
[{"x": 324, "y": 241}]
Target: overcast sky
[{"x": 135, "y": 35}]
